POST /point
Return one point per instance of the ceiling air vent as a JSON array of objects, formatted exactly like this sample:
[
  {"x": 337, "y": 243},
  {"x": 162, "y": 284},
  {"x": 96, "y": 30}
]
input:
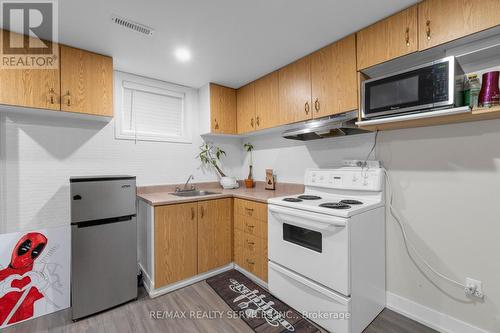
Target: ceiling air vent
[{"x": 126, "y": 23}]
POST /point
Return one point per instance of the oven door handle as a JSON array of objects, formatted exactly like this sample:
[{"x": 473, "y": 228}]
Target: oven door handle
[{"x": 307, "y": 219}]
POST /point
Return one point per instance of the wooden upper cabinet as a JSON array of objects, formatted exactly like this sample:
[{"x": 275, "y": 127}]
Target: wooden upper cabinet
[
  {"x": 222, "y": 109},
  {"x": 175, "y": 243},
  {"x": 390, "y": 38},
  {"x": 86, "y": 82},
  {"x": 33, "y": 88},
  {"x": 245, "y": 108},
  {"x": 295, "y": 91},
  {"x": 215, "y": 231},
  {"x": 267, "y": 101},
  {"x": 441, "y": 21},
  {"x": 334, "y": 78}
]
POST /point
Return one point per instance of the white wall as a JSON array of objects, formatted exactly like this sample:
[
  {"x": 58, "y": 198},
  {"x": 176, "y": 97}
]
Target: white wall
[
  {"x": 446, "y": 184},
  {"x": 289, "y": 158},
  {"x": 38, "y": 154}
]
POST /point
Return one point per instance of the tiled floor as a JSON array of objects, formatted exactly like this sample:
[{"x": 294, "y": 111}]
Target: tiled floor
[{"x": 136, "y": 317}]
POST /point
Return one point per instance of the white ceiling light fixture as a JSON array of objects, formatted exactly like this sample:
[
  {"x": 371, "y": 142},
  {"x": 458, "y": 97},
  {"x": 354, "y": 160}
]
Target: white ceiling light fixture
[{"x": 182, "y": 54}]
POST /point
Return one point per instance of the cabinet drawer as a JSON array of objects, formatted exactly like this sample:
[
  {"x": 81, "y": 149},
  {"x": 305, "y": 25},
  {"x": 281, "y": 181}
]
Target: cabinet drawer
[
  {"x": 250, "y": 253},
  {"x": 250, "y": 226},
  {"x": 256, "y": 210},
  {"x": 251, "y": 244}
]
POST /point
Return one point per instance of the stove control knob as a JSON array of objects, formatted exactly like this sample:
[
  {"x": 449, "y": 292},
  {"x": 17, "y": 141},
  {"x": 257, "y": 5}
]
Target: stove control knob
[{"x": 354, "y": 179}]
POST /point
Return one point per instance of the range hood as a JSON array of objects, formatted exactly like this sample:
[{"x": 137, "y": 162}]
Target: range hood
[{"x": 327, "y": 127}]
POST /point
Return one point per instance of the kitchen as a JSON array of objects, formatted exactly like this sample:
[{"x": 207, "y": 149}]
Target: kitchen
[{"x": 442, "y": 167}]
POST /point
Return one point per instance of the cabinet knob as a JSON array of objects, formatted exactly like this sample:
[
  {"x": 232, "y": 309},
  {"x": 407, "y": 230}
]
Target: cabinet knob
[
  {"x": 316, "y": 105},
  {"x": 192, "y": 213},
  {"x": 250, "y": 243},
  {"x": 407, "y": 37},
  {"x": 428, "y": 30},
  {"x": 250, "y": 226},
  {"x": 216, "y": 124},
  {"x": 202, "y": 211},
  {"x": 306, "y": 107},
  {"x": 251, "y": 122},
  {"x": 251, "y": 262},
  {"x": 257, "y": 121}
]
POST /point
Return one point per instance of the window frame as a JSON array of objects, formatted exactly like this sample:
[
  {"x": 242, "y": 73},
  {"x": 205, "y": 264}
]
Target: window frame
[{"x": 124, "y": 81}]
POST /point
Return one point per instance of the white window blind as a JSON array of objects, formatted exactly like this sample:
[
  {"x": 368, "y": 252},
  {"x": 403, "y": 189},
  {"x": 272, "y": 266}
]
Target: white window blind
[{"x": 148, "y": 112}]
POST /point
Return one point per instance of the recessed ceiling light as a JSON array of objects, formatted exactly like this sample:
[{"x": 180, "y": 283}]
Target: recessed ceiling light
[{"x": 183, "y": 54}]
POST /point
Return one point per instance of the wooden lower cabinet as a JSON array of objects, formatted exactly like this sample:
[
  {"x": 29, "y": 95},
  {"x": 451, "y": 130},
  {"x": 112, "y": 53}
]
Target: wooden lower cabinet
[
  {"x": 250, "y": 237},
  {"x": 214, "y": 234},
  {"x": 176, "y": 243},
  {"x": 250, "y": 253},
  {"x": 194, "y": 238},
  {"x": 191, "y": 239}
]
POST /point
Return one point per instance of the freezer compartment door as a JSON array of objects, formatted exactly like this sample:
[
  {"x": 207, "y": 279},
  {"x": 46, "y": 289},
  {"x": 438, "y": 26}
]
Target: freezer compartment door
[
  {"x": 104, "y": 266},
  {"x": 102, "y": 199}
]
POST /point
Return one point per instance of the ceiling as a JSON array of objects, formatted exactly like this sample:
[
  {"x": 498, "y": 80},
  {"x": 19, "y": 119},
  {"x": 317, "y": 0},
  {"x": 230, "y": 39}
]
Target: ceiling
[{"x": 232, "y": 42}]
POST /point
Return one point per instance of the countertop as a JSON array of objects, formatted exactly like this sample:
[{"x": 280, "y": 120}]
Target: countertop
[{"x": 159, "y": 195}]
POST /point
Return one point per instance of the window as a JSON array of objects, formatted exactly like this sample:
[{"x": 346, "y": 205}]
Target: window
[{"x": 151, "y": 110}]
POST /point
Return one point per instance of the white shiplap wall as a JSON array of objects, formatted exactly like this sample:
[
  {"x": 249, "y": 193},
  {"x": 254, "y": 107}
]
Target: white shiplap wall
[{"x": 39, "y": 154}]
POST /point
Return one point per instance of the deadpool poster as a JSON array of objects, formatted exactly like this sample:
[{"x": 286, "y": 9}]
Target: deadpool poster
[{"x": 34, "y": 274}]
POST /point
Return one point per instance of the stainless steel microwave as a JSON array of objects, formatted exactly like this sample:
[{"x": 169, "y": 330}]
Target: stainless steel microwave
[{"x": 435, "y": 85}]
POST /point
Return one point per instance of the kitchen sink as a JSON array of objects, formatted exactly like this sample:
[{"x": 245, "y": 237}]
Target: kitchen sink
[{"x": 193, "y": 193}]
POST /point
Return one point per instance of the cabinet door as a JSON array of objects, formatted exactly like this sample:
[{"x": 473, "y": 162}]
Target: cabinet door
[
  {"x": 175, "y": 243},
  {"x": 267, "y": 101},
  {"x": 222, "y": 109},
  {"x": 441, "y": 21},
  {"x": 334, "y": 78},
  {"x": 214, "y": 234},
  {"x": 33, "y": 88},
  {"x": 86, "y": 82},
  {"x": 295, "y": 91},
  {"x": 245, "y": 108},
  {"x": 390, "y": 38}
]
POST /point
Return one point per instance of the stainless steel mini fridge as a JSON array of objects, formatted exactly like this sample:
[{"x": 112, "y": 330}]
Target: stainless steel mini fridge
[{"x": 103, "y": 243}]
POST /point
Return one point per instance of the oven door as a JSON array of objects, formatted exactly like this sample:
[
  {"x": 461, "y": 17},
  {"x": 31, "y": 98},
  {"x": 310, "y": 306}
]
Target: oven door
[
  {"x": 418, "y": 89},
  {"x": 313, "y": 245}
]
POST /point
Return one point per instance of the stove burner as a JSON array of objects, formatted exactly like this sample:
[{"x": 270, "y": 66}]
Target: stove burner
[
  {"x": 335, "y": 205},
  {"x": 351, "y": 202},
  {"x": 292, "y": 200},
  {"x": 309, "y": 197}
]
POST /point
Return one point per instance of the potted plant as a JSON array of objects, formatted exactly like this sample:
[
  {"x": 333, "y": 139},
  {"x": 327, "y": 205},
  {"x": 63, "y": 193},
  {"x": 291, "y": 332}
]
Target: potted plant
[
  {"x": 210, "y": 156},
  {"x": 249, "y": 183}
]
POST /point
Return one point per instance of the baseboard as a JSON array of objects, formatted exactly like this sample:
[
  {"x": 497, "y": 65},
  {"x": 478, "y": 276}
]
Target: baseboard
[
  {"x": 429, "y": 317},
  {"x": 252, "y": 277},
  {"x": 184, "y": 283},
  {"x": 146, "y": 279}
]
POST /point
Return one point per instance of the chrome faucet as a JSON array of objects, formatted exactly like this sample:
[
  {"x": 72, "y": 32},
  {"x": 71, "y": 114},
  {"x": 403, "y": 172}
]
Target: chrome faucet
[{"x": 185, "y": 188}]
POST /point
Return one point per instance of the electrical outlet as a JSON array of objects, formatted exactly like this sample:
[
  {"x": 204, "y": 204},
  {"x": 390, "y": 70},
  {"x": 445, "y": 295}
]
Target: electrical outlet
[{"x": 474, "y": 288}]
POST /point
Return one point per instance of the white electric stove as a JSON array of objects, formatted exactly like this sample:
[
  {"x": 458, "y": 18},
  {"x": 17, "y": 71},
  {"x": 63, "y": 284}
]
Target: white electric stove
[{"x": 327, "y": 247}]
